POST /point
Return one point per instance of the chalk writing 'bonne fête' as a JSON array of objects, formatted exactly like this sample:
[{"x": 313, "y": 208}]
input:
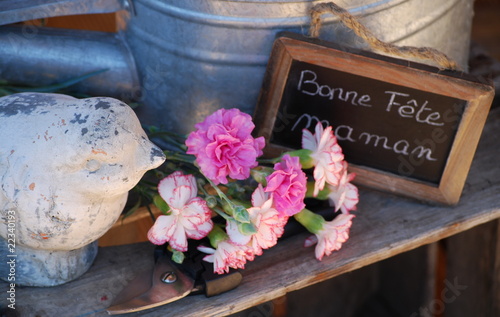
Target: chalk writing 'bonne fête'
[
  {"x": 403, "y": 104},
  {"x": 411, "y": 109},
  {"x": 309, "y": 86}
]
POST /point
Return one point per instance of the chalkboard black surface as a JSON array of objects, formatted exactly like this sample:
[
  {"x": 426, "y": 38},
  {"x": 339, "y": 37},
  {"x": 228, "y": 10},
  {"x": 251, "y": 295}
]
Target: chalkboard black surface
[
  {"x": 381, "y": 125},
  {"x": 403, "y": 127}
]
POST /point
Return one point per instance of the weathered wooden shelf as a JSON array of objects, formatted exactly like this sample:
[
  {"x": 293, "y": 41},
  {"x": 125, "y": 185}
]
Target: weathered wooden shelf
[{"x": 384, "y": 226}]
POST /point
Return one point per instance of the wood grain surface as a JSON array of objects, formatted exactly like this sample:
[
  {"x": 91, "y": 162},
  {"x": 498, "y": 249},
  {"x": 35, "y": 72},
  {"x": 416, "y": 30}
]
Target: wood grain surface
[{"x": 385, "y": 225}]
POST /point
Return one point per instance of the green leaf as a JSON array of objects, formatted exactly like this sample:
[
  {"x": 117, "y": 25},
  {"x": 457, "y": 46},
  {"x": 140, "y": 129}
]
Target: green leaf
[
  {"x": 152, "y": 129},
  {"x": 161, "y": 204}
]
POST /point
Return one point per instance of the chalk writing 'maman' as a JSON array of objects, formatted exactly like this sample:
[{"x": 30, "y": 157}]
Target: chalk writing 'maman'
[{"x": 347, "y": 133}]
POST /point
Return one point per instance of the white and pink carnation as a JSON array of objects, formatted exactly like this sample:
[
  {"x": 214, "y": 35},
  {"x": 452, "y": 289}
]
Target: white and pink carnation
[
  {"x": 189, "y": 215},
  {"x": 345, "y": 195},
  {"x": 326, "y": 155},
  {"x": 227, "y": 255},
  {"x": 266, "y": 219},
  {"x": 331, "y": 237}
]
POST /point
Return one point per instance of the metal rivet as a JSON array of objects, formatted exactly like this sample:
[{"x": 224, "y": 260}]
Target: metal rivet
[{"x": 168, "y": 277}]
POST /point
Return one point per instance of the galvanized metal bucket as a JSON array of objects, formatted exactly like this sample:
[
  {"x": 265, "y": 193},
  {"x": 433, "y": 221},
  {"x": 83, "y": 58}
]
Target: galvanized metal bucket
[
  {"x": 45, "y": 56},
  {"x": 197, "y": 56}
]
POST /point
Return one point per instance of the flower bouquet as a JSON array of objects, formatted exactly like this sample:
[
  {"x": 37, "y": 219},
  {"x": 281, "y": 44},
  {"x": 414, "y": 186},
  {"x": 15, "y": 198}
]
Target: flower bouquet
[{"x": 215, "y": 184}]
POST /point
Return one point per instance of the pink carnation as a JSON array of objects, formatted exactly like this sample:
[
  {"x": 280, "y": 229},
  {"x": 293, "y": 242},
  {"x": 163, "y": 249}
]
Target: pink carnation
[
  {"x": 224, "y": 147},
  {"x": 287, "y": 186}
]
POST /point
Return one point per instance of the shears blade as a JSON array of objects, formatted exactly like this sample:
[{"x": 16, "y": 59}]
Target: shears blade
[{"x": 163, "y": 284}]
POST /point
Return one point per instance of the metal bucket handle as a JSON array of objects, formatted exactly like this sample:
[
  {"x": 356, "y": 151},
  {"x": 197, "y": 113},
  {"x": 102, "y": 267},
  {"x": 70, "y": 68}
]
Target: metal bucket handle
[{"x": 351, "y": 22}]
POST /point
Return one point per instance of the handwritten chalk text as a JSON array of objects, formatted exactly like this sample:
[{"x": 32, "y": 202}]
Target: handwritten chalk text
[
  {"x": 402, "y": 103},
  {"x": 347, "y": 133},
  {"x": 411, "y": 109},
  {"x": 309, "y": 86}
]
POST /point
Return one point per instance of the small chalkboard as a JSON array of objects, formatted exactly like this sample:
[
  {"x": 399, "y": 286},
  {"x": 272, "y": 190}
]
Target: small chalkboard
[{"x": 404, "y": 127}]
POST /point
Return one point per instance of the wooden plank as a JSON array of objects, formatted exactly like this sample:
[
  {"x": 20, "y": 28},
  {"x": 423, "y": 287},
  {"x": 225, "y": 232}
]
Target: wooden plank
[
  {"x": 130, "y": 230},
  {"x": 104, "y": 22},
  {"x": 471, "y": 284},
  {"x": 343, "y": 295},
  {"x": 385, "y": 225},
  {"x": 407, "y": 280}
]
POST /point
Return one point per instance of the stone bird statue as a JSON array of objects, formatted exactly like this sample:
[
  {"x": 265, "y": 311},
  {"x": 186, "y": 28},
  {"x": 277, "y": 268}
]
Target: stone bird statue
[{"x": 66, "y": 166}]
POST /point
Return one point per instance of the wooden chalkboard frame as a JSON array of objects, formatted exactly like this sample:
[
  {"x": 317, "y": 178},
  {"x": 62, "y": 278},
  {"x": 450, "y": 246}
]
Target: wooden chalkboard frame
[{"x": 477, "y": 93}]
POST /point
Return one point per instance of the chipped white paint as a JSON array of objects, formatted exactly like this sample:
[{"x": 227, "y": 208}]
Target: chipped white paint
[{"x": 66, "y": 166}]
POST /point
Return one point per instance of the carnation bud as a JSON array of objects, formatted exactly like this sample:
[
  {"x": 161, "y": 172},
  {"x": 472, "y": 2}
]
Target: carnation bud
[
  {"x": 247, "y": 228},
  {"x": 211, "y": 202},
  {"x": 177, "y": 256},
  {"x": 240, "y": 214},
  {"x": 260, "y": 173},
  {"x": 227, "y": 207},
  {"x": 217, "y": 235}
]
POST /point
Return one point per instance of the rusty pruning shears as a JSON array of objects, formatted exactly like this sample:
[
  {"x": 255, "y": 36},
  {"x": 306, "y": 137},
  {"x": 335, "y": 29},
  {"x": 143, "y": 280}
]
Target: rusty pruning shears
[{"x": 168, "y": 281}]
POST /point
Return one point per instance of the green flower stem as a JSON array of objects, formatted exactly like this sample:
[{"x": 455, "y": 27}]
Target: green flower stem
[
  {"x": 220, "y": 193},
  {"x": 175, "y": 156},
  {"x": 222, "y": 214},
  {"x": 151, "y": 214},
  {"x": 200, "y": 184},
  {"x": 211, "y": 200},
  {"x": 217, "y": 235},
  {"x": 175, "y": 139},
  {"x": 245, "y": 204},
  {"x": 305, "y": 157},
  {"x": 161, "y": 204},
  {"x": 303, "y": 154},
  {"x": 238, "y": 212},
  {"x": 169, "y": 134},
  {"x": 269, "y": 161},
  {"x": 322, "y": 195},
  {"x": 311, "y": 221},
  {"x": 5, "y": 92}
]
